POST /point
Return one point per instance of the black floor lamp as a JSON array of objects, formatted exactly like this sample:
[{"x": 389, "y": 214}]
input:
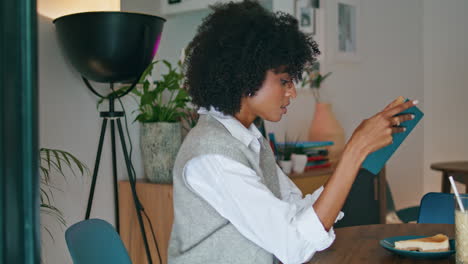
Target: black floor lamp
[{"x": 111, "y": 47}]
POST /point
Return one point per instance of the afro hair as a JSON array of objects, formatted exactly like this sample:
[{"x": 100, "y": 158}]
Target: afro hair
[{"x": 234, "y": 48}]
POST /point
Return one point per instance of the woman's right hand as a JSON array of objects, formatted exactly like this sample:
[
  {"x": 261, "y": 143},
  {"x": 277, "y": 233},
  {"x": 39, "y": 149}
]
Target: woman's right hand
[{"x": 376, "y": 132}]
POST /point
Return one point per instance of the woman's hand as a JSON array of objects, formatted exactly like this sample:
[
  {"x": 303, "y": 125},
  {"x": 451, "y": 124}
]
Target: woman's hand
[
  {"x": 376, "y": 132},
  {"x": 371, "y": 135}
]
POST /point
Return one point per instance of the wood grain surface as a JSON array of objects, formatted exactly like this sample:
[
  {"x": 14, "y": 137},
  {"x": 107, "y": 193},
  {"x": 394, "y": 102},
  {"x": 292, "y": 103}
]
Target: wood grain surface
[
  {"x": 360, "y": 244},
  {"x": 157, "y": 202}
]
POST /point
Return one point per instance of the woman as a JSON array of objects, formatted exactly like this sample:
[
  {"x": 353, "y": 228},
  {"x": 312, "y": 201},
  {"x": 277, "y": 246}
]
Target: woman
[{"x": 232, "y": 203}]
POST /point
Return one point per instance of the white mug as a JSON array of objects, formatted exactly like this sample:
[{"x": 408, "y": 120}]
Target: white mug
[
  {"x": 299, "y": 162},
  {"x": 286, "y": 166}
]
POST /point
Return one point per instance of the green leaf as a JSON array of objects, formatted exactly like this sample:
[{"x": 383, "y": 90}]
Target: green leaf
[
  {"x": 152, "y": 105},
  {"x": 48, "y": 157},
  {"x": 50, "y": 233},
  {"x": 136, "y": 92},
  {"x": 147, "y": 99},
  {"x": 65, "y": 158},
  {"x": 45, "y": 173},
  {"x": 44, "y": 196},
  {"x": 168, "y": 65},
  {"x": 146, "y": 86},
  {"x": 56, "y": 155},
  {"x": 147, "y": 71},
  {"x": 52, "y": 210}
]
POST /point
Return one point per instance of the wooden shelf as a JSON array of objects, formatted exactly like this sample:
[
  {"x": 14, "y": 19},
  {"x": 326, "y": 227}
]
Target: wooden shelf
[
  {"x": 310, "y": 181},
  {"x": 312, "y": 173}
]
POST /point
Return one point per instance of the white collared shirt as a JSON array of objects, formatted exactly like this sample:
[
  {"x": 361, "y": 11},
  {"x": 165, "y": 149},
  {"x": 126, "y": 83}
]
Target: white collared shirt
[{"x": 288, "y": 227}]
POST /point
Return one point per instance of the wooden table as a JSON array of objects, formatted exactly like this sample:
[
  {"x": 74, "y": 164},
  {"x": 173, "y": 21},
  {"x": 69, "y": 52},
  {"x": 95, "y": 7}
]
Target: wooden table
[
  {"x": 457, "y": 169},
  {"x": 360, "y": 244}
]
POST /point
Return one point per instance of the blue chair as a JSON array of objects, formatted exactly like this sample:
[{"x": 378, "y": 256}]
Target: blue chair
[
  {"x": 95, "y": 241},
  {"x": 437, "y": 208}
]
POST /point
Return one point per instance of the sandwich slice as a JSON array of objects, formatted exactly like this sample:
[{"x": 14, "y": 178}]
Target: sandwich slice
[{"x": 435, "y": 243}]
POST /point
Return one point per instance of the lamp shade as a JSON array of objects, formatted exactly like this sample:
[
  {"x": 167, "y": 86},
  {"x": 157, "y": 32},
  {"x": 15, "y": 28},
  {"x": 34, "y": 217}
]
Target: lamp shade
[{"x": 109, "y": 47}]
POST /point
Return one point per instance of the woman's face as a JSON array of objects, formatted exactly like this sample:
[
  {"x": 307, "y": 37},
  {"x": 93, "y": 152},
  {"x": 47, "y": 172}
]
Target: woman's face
[{"x": 271, "y": 100}]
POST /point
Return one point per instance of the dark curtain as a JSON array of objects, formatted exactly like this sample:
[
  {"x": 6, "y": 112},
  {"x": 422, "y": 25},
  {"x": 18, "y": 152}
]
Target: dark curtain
[{"x": 19, "y": 174}]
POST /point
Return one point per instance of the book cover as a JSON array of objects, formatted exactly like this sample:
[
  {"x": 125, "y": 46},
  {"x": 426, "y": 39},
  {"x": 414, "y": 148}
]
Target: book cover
[
  {"x": 376, "y": 160},
  {"x": 318, "y": 157},
  {"x": 307, "y": 144},
  {"x": 320, "y": 166},
  {"x": 316, "y": 152},
  {"x": 317, "y": 162}
]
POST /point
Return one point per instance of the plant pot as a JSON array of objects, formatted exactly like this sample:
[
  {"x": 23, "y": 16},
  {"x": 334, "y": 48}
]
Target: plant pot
[
  {"x": 159, "y": 142},
  {"x": 299, "y": 162},
  {"x": 286, "y": 166},
  {"x": 325, "y": 127}
]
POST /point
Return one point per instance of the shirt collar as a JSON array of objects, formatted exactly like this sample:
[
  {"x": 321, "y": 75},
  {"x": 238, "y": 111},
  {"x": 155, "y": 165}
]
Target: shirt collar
[{"x": 237, "y": 130}]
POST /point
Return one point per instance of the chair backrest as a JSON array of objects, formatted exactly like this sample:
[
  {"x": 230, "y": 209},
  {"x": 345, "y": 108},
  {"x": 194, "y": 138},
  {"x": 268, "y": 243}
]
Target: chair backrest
[
  {"x": 95, "y": 241},
  {"x": 437, "y": 208}
]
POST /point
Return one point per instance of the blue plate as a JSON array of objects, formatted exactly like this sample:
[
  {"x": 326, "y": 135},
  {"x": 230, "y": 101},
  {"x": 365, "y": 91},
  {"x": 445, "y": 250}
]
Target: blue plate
[{"x": 389, "y": 244}]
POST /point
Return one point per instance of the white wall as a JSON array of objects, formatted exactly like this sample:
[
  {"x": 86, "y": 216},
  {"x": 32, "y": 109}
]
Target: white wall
[
  {"x": 391, "y": 65},
  {"x": 178, "y": 30},
  {"x": 69, "y": 120},
  {"x": 445, "y": 42}
]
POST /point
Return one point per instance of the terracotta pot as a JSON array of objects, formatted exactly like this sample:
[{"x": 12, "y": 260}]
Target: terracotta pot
[{"x": 325, "y": 127}]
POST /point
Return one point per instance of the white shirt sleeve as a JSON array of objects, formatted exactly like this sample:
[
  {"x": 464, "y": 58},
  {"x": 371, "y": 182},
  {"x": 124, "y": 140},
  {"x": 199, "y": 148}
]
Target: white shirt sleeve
[
  {"x": 289, "y": 228},
  {"x": 291, "y": 193}
]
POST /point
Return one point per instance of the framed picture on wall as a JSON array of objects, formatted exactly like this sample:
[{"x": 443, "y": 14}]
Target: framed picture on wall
[
  {"x": 345, "y": 40},
  {"x": 305, "y": 14}
]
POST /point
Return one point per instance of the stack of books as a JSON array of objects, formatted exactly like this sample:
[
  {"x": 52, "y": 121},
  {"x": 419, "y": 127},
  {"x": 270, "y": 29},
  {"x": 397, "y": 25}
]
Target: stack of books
[
  {"x": 317, "y": 154},
  {"x": 316, "y": 151}
]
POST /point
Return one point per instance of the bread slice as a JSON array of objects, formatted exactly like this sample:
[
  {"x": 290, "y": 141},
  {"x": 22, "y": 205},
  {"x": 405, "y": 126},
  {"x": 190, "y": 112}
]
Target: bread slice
[{"x": 435, "y": 243}]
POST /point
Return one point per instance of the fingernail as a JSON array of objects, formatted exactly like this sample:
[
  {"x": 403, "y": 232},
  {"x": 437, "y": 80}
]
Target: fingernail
[
  {"x": 412, "y": 116},
  {"x": 415, "y": 102},
  {"x": 404, "y": 129}
]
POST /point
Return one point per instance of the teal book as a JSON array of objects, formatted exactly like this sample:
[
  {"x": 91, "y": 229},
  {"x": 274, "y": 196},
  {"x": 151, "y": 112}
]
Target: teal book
[{"x": 376, "y": 160}]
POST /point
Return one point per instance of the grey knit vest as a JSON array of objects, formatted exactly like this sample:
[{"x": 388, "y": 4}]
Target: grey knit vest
[{"x": 199, "y": 234}]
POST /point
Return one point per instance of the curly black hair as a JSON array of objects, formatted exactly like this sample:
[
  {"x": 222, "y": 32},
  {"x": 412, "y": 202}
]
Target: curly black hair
[{"x": 234, "y": 48}]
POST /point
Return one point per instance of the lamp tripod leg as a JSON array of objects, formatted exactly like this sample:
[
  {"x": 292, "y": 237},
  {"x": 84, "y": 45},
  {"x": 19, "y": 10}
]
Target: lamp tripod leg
[
  {"x": 96, "y": 168},
  {"x": 114, "y": 172},
  {"x": 138, "y": 206}
]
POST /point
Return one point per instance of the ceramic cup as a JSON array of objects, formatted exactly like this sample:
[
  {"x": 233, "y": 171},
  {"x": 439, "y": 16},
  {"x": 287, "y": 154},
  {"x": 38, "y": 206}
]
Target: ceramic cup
[
  {"x": 286, "y": 166},
  {"x": 299, "y": 162}
]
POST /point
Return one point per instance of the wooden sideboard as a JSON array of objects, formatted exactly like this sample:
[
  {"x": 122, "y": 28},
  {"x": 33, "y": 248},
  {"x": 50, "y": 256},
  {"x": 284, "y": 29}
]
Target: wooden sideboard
[
  {"x": 310, "y": 181},
  {"x": 157, "y": 202},
  {"x": 156, "y": 199}
]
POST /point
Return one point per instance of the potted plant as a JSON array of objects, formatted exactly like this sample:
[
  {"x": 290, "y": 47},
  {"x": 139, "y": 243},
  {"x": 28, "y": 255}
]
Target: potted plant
[
  {"x": 55, "y": 161},
  {"x": 286, "y": 152},
  {"x": 324, "y": 125},
  {"x": 313, "y": 79},
  {"x": 162, "y": 104}
]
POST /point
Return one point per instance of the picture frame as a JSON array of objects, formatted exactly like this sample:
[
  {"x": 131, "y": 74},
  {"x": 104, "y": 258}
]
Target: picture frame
[
  {"x": 306, "y": 16},
  {"x": 345, "y": 31}
]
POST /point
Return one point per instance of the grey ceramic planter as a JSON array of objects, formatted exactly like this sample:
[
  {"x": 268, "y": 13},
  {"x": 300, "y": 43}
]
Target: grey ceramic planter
[{"x": 159, "y": 143}]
